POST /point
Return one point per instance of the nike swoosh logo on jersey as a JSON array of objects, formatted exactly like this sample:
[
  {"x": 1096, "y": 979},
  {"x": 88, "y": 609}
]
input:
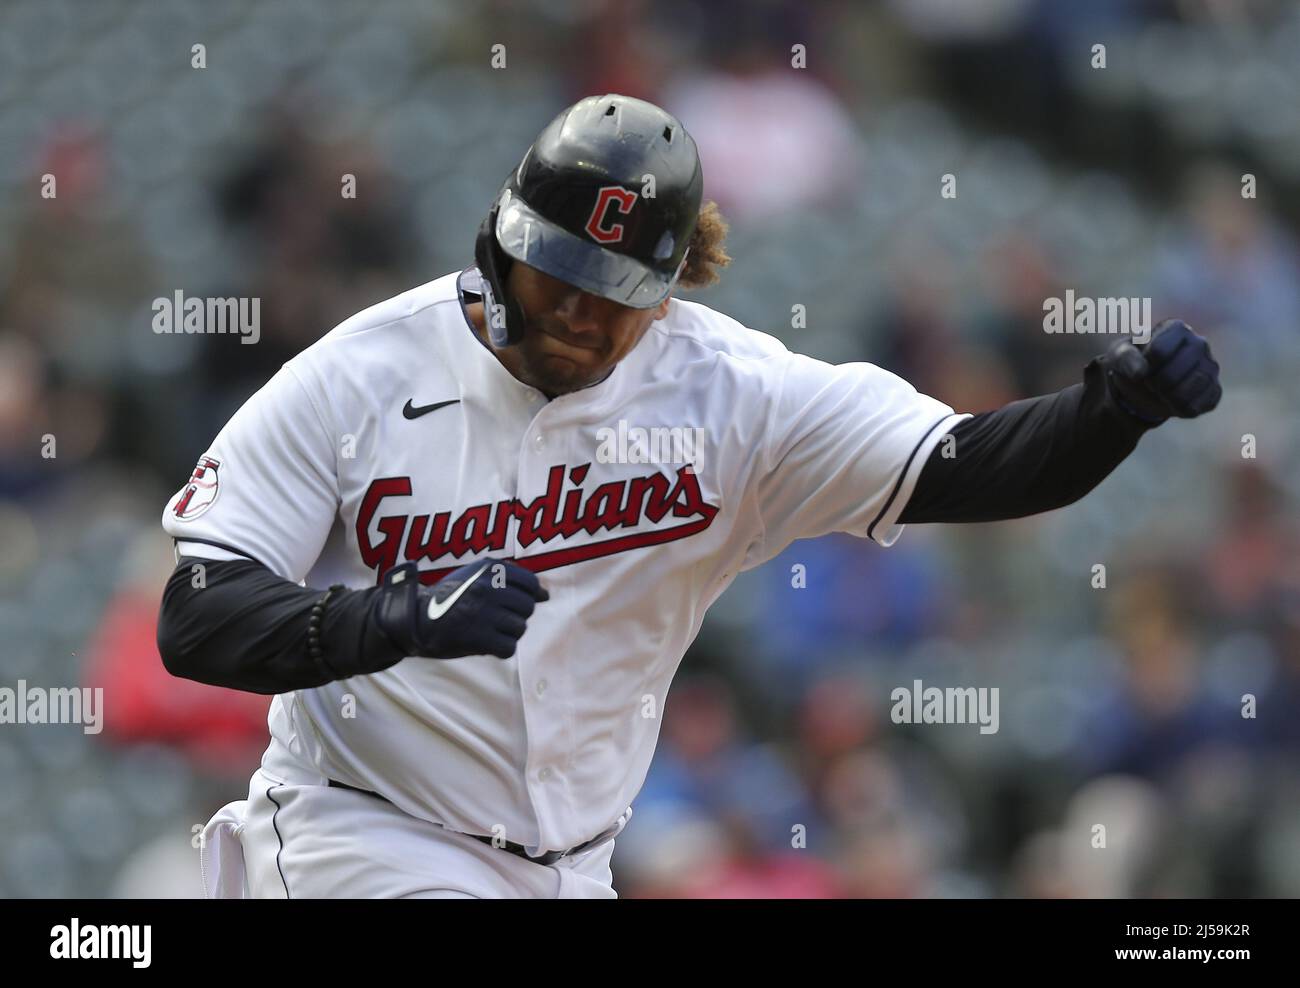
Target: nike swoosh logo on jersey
[
  {"x": 410, "y": 411},
  {"x": 437, "y": 610}
]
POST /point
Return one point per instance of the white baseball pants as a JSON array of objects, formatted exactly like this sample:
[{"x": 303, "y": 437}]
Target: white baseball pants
[{"x": 297, "y": 837}]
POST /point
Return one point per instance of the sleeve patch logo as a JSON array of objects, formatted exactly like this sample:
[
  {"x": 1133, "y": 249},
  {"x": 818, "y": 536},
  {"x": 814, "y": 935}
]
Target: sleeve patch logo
[{"x": 199, "y": 492}]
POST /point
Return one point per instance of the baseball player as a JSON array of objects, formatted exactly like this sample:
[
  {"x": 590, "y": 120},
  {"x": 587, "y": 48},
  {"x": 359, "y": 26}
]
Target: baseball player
[{"x": 529, "y": 544}]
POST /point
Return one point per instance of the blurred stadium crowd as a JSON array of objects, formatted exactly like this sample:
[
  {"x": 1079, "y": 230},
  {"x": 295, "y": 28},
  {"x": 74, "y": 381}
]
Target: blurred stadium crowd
[{"x": 779, "y": 771}]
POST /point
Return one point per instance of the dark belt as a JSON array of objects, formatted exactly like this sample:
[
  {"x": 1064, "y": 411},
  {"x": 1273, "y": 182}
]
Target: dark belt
[{"x": 549, "y": 858}]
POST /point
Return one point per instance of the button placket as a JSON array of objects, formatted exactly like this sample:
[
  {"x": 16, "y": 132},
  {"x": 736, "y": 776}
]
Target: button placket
[{"x": 543, "y": 447}]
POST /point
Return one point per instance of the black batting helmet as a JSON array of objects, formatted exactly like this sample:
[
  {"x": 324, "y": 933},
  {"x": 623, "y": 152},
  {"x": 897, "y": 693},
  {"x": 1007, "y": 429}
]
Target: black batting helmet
[{"x": 606, "y": 200}]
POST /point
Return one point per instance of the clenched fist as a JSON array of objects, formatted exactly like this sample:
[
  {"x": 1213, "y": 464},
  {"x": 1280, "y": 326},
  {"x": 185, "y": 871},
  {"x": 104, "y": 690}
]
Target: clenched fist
[
  {"x": 479, "y": 609},
  {"x": 1174, "y": 374}
]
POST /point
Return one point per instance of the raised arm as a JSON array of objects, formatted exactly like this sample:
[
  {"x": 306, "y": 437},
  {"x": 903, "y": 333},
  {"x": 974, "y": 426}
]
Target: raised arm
[{"x": 1043, "y": 453}]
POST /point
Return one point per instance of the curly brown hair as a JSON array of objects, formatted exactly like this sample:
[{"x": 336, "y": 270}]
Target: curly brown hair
[{"x": 708, "y": 250}]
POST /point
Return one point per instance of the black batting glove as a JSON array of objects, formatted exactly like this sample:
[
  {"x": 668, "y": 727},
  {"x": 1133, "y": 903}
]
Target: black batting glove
[
  {"x": 1173, "y": 375},
  {"x": 479, "y": 609}
]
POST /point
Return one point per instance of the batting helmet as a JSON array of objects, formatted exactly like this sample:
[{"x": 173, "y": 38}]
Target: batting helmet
[{"x": 606, "y": 199}]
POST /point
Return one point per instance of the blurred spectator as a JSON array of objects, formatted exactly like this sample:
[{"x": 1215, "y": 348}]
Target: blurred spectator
[
  {"x": 1231, "y": 269},
  {"x": 1022, "y": 278},
  {"x": 76, "y": 261},
  {"x": 312, "y": 256},
  {"x": 704, "y": 762},
  {"x": 824, "y": 600},
  {"x": 1247, "y": 565},
  {"x": 223, "y": 731},
  {"x": 1162, "y": 713},
  {"x": 772, "y": 138}
]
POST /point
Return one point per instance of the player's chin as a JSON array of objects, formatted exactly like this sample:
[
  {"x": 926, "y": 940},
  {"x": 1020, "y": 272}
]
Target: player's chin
[{"x": 564, "y": 373}]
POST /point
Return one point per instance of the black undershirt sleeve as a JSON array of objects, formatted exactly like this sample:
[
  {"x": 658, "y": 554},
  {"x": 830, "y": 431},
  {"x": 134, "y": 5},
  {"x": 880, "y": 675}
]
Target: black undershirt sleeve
[
  {"x": 1026, "y": 457},
  {"x": 245, "y": 628}
]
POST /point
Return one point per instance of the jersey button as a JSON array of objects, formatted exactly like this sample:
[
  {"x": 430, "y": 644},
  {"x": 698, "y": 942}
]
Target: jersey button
[
  {"x": 544, "y": 774},
  {"x": 541, "y": 686},
  {"x": 539, "y": 441}
]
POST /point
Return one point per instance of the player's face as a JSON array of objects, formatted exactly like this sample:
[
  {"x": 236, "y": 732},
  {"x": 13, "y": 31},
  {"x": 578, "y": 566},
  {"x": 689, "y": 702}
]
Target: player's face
[{"x": 572, "y": 338}]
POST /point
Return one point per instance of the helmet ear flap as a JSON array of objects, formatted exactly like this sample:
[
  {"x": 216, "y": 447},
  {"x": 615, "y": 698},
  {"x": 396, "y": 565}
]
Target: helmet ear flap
[{"x": 504, "y": 317}]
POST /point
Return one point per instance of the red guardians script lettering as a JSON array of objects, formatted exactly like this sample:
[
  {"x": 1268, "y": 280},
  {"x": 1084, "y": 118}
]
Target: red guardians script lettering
[{"x": 566, "y": 510}]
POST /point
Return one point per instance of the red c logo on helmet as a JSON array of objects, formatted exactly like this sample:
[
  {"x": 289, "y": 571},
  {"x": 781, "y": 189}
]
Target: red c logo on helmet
[{"x": 622, "y": 200}]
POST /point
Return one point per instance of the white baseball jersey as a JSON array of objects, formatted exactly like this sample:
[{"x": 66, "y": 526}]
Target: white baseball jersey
[{"x": 550, "y": 747}]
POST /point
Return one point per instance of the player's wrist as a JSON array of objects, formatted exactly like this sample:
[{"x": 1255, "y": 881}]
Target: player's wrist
[
  {"x": 343, "y": 638},
  {"x": 395, "y": 611},
  {"x": 1132, "y": 400},
  {"x": 1110, "y": 399},
  {"x": 380, "y": 649}
]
